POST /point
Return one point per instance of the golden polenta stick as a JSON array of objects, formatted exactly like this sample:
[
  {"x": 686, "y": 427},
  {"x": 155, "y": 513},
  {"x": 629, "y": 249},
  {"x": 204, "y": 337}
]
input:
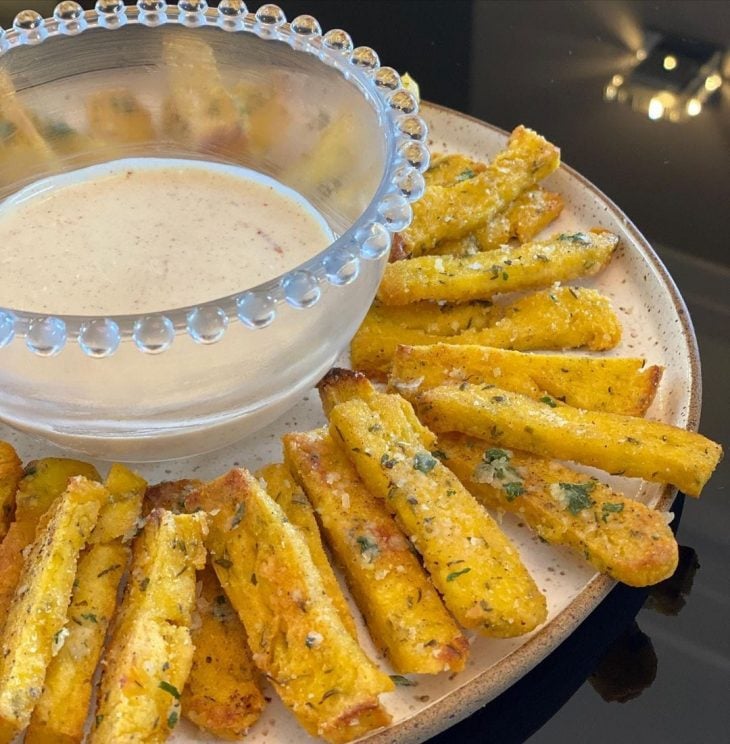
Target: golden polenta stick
[
  {"x": 528, "y": 215},
  {"x": 438, "y": 319},
  {"x": 471, "y": 561},
  {"x": 403, "y": 611},
  {"x": 199, "y": 110},
  {"x": 118, "y": 116},
  {"x": 613, "y": 384},
  {"x": 282, "y": 487},
  {"x": 150, "y": 653},
  {"x": 19, "y": 536},
  {"x": 618, "y": 444},
  {"x": 447, "y": 170},
  {"x": 453, "y": 211},
  {"x": 42, "y": 483},
  {"x": 38, "y": 610},
  {"x": 531, "y": 213},
  {"x": 295, "y": 633},
  {"x": 560, "y": 318},
  {"x": 223, "y": 692},
  {"x": 508, "y": 269},
  {"x": 60, "y": 714},
  {"x": 339, "y": 385},
  {"x": 620, "y": 537},
  {"x": 118, "y": 518},
  {"x": 11, "y": 471}
]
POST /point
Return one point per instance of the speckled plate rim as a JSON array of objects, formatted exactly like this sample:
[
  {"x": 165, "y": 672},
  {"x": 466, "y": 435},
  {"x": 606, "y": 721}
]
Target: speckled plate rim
[{"x": 464, "y": 701}]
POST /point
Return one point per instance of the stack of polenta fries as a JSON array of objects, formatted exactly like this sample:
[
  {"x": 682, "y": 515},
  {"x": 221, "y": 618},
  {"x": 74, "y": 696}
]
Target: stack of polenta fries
[{"x": 229, "y": 583}]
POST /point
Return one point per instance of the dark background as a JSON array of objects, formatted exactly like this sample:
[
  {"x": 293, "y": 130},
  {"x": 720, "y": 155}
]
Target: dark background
[{"x": 545, "y": 64}]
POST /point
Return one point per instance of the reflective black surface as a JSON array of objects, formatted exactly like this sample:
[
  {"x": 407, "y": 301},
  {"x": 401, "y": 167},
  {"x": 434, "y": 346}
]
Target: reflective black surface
[{"x": 645, "y": 666}]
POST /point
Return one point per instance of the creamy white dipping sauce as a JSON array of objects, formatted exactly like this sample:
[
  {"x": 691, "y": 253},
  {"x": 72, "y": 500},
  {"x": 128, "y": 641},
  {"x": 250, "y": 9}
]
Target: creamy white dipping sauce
[{"x": 149, "y": 234}]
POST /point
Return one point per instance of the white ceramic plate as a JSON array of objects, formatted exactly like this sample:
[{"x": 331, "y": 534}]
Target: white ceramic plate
[{"x": 656, "y": 326}]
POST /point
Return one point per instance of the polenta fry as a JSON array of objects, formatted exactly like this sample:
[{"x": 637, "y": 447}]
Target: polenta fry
[
  {"x": 38, "y": 610},
  {"x": 404, "y": 614},
  {"x": 620, "y": 537},
  {"x": 612, "y": 384},
  {"x": 508, "y": 269},
  {"x": 60, "y": 714},
  {"x": 626, "y": 445},
  {"x": 447, "y": 170},
  {"x": 340, "y": 385},
  {"x": 282, "y": 487},
  {"x": 527, "y": 216},
  {"x": 295, "y": 633},
  {"x": 11, "y": 471},
  {"x": 470, "y": 560},
  {"x": 150, "y": 652},
  {"x": 118, "y": 518},
  {"x": 118, "y": 116},
  {"x": 223, "y": 692},
  {"x": 561, "y": 318},
  {"x": 446, "y": 212},
  {"x": 42, "y": 483}
]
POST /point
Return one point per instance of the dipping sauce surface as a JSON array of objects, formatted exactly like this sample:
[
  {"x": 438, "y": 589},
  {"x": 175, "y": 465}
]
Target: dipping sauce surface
[{"x": 148, "y": 234}]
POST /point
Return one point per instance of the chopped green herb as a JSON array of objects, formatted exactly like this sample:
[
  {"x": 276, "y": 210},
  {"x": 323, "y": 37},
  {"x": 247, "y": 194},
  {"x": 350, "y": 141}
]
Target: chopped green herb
[
  {"x": 495, "y": 271},
  {"x": 144, "y": 583},
  {"x": 465, "y": 175},
  {"x": 108, "y": 570},
  {"x": 455, "y": 574},
  {"x": 238, "y": 515},
  {"x": 6, "y": 129},
  {"x": 578, "y": 237},
  {"x": 368, "y": 547},
  {"x": 609, "y": 508},
  {"x": 224, "y": 562},
  {"x": 387, "y": 461},
  {"x": 90, "y": 616},
  {"x": 547, "y": 399},
  {"x": 58, "y": 129},
  {"x": 424, "y": 462},
  {"x": 329, "y": 694},
  {"x": 99, "y": 718},
  {"x": 493, "y": 454},
  {"x": 577, "y": 496},
  {"x": 172, "y": 719},
  {"x": 375, "y": 427},
  {"x": 505, "y": 276},
  {"x": 440, "y": 454},
  {"x": 513, "y": 490},
  {"x": 401, "y": 681},
  {"x": 170, "y": 689}
]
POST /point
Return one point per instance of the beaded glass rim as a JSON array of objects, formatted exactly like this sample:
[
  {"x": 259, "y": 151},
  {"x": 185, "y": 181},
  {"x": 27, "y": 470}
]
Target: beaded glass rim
[{"x": 367, "y": 239}]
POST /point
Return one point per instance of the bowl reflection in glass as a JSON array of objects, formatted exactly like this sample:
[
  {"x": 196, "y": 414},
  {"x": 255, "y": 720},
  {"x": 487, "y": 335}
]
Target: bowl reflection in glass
[{"x": 225, "y": 86}]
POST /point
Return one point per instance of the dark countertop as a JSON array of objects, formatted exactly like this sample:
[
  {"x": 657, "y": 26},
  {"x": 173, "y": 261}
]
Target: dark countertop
[{"x": 546, "y": 64}]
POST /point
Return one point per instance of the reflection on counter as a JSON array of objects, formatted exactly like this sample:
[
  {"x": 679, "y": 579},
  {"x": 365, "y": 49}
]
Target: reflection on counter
[
  {"x": 670, "y": 596},
  {"x": 627, "y": 668}
]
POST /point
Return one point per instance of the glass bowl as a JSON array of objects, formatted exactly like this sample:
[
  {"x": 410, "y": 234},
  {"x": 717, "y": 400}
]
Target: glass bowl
[{"x": 304, "y": 107}]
